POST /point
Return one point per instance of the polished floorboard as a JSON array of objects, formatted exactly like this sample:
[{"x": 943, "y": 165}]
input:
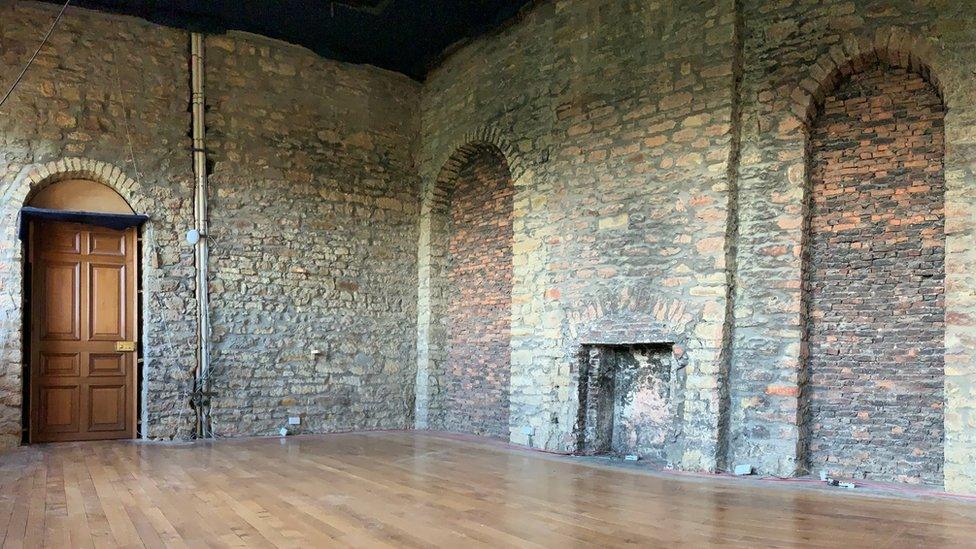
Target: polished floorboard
[{"x": 410, "y": 489}]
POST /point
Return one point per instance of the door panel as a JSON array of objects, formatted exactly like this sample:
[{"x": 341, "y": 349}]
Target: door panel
[
  {"x": 108, "y": 300},
  {"x": 107, "y": 244},
  {"x": 60, "y": 364},
  {"x": 106, "y": 407},
  {"x": 61, "y": 310},
  {"x": 60, "y": 409},
  {"x": 106, "y": 364},
  {"x": 82, "y": 303},
  {"x": 62, "y": 240}
]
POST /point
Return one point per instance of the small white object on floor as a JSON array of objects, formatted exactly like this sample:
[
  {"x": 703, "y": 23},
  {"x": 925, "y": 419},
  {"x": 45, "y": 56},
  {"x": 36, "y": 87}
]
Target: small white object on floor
[
  {"x": 743, "y": 469},
  {"x": 631, "y": 457},
  {"x": 283, "y": 431}
]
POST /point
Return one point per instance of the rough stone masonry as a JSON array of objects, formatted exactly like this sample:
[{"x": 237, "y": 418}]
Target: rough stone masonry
[{"x": 679, "y": 174}]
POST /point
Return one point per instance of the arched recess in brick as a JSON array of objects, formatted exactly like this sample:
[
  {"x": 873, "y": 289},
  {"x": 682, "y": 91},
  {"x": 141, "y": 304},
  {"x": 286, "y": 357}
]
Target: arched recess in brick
[
  {"x": 771, "y": 192},
  {"x": 13, "y": 196},
  {"x": 874, "y": 273},
  {"x": 464, "y": 332},
  {"x": 891, "y": 46}
]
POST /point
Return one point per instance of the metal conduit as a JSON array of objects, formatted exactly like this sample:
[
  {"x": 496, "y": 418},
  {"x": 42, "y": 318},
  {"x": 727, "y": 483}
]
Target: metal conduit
[{"x": 202, "y": 252}]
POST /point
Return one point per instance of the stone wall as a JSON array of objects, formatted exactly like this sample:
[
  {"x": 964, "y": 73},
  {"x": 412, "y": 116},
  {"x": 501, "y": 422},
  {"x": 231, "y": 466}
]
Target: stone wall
[
  {"x": 794, "y": 55},
  {"x": 313, "y": 215},
  {"x": 473, "y": 382},
  {"x": 662, "y": 181},
  {"x": 314, "y": 212},
  {"x": 660, "y": 158},
  {"x": 617, "y": 120},
  {"x": 115, "y": 107},
  {"x": 876, "y": 280}
]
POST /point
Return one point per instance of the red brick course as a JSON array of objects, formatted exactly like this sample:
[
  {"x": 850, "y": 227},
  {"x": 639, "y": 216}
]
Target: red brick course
[{"x": 876, "y": 279}]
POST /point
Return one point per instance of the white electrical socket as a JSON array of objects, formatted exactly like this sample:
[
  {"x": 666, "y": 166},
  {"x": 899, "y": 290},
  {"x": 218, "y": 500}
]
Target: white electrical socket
[{"x": 294, "y": 420}]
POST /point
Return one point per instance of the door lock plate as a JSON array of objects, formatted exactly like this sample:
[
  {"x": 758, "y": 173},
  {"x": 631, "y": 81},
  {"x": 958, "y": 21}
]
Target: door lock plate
[{"x": 125, "y": 346}]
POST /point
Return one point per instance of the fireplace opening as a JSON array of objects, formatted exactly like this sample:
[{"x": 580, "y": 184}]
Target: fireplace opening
[{"x": 630, "y": 401}]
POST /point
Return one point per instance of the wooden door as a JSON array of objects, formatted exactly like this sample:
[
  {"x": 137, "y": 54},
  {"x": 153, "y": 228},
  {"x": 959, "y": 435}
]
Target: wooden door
[{"x": 83, "y": 321}]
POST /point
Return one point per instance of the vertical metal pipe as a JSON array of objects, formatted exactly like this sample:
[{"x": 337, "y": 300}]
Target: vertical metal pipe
[{"x": 200, "y": 210}]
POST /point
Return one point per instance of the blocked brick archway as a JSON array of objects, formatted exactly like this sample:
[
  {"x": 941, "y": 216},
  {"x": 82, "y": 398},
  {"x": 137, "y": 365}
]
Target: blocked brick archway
[
  {"x": 467, "y": 267},
  {"x": 874, "y": 279},
  {"x": 773, "y": 186}
]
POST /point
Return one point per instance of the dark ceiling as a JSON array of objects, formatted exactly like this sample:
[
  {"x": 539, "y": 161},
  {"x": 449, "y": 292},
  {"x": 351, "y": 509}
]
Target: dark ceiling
[{"x": 407, "y": 36}]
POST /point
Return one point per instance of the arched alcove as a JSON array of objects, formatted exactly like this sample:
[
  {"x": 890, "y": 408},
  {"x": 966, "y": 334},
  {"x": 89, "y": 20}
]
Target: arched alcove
[
  {"x": 874, "y": 277},
  {"x": 470, "y": 211}
]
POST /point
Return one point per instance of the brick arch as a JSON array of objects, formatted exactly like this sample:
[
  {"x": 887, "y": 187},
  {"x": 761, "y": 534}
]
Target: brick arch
[
  {"x": 447, "y": 178},
  {"x": 894, "y": 46},
  {"x": 437, "y": 280},
  {"x": 474, "y": 141},
  {"x": 34, "y": 178},
  {"x": 788, "y": 175},
  {"x": 645, "y": 315}
]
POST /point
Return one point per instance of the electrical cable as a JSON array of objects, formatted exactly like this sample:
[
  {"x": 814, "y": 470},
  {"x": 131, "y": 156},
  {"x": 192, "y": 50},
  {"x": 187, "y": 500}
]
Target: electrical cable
[
  {"x": 34, "y": 56},
  {"x": 125, "y": 122}
]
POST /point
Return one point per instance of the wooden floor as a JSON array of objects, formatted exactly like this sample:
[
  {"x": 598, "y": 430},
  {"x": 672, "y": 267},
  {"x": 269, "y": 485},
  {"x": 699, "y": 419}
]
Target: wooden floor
[{"x": 423, "y": 490}]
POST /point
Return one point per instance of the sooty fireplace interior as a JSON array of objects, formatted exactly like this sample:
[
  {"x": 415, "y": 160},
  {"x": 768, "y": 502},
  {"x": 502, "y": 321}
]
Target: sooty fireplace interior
[{"x": 630, "y": 400}]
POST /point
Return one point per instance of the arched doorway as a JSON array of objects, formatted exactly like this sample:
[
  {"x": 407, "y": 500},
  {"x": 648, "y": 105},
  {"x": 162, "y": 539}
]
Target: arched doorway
[
  {"x": 875, "y": 279},
  {"x": 81, "y": 324}
]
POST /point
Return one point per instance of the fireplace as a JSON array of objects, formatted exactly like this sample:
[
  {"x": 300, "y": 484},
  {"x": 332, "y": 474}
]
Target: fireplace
[{"x": 630, "y": 400}]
